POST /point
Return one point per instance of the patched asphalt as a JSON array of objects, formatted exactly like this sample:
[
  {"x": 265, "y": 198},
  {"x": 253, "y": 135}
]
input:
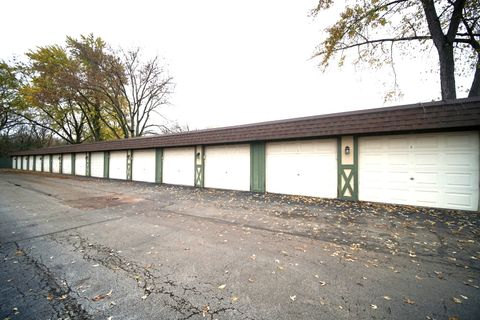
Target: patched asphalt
[{"x": 81, "y": 248}]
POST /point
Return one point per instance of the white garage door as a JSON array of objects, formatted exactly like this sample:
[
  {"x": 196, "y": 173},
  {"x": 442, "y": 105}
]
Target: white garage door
[
  {"x": 14, "y": 162},
  {"x": 56, "y": 163},
  {"x": 38, "y": 163},
  {"x": 307, "y": 168},
  {"x": 67, "y": 164},
  {"x": 228, "y": 167},
  {"x": 25, "y": 162},
  {"x": 143, "y": 165},
  {"x": 80, "y": 164},
  {"x": 435, "y": 170},
  {"x": 46, "y": 163},
  {"x": 96, "y": 164},
  {"x": 178, "y": 166},
  {"x": 31, "y": 161},
  {"x": 118, "y": 165}
]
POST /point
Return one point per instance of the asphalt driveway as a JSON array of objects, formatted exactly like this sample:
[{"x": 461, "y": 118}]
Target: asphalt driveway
[{"x": 81, "y": 248}]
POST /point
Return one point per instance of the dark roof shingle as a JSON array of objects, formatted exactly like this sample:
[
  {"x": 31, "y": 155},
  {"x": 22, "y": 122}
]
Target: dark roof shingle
[{"x": 457, "y": 114}]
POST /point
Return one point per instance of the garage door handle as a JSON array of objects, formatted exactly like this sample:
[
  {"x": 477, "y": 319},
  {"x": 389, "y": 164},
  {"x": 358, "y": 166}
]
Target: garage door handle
[{"x": 412, "y": 178}]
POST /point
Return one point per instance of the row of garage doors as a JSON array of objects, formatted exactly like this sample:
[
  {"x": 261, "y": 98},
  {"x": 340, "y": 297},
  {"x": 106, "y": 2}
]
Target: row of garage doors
[{"x": 436, "y": 170}]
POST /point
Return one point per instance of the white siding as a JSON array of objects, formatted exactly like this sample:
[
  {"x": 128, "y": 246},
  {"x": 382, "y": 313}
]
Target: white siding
[
  {"x": 143, "y": 165},
  {"x": 96, "y": 164},
  {"x": 31, "y": 161},
  {"x": 38, "y": 163},
  {"x": 67, "y": 164},
  {"x": 56, "y": 163},
  {"x": 14, "y": 162},
  {"x": 80, "y": 164},
  {"x": 118, "y": 165},
  {"x": 228, "y": 167},
  {"x": 46, "y": 163},
  {"x": 178, "y": 166},
  {"x": 307, "y": 168},
  {"x": 435, "y": 170}
]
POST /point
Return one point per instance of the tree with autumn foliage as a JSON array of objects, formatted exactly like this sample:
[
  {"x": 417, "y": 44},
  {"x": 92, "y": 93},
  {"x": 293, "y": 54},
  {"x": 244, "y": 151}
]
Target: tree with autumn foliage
[
  {"x": 375, "y": 28},
  {"x": 87, "y": 91}
]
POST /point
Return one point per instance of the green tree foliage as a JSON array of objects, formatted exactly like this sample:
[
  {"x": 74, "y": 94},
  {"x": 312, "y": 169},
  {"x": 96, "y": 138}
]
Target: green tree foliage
[{"x": 376, "y": 27}]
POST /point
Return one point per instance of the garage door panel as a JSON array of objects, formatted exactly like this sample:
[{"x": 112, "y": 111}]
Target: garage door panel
[
  {"x": 46, "y": 163},
  {"x": 80, "y": 164},
  {"x": 56, "y": 163},
  {"x": 96, "y": 164},
  {"x": 118, "y": 165},
  {"x": 143, "y": 165},
  {"x": 178, "y": 166},
  {"x": 67, "y": 164},
  {"x": 38, "y": 163},
  {"x": 438, "y": 169},
  {"x": 228, "y": 167},
  {"x": 306, "y": 168}
]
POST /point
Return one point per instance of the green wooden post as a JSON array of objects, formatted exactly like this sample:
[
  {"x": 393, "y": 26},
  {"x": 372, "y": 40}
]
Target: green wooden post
[
  {"x": 347, "y": 179},
  {"x": 257, "y": 166},
  {"x": 129, "y": 164},
  {"x": 74, "y": 157},
  {"x": 43, "y": 156},
  {"x": 60, "y": 160},
  {"x": 158, "y": 165},
  {"x": 199, "y": 166},
  {"x": 34, "y": 163},
  {"x": 106, "y": 164},
  {"x": 87, "y": 163}
]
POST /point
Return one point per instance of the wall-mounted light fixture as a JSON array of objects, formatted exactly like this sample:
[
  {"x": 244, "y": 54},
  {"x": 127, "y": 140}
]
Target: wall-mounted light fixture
[
  {"x": 198, "y": 155},
  {"x": 347, "y": 150}
]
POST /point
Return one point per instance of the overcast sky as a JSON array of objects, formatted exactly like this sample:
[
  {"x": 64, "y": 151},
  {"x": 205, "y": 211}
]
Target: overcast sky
[{"x": 233, "y": 62}]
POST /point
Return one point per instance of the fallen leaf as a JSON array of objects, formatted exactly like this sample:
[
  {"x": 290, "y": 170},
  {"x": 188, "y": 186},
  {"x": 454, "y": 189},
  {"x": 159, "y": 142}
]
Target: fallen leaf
[
  {"x": 464, "y": 297},
  {"x": 234, "y": 298},
  {"x": 102, "y": 296},
  {"x": 205, "y": 310},
  {"x": 222, "y": 286},
  {"x": 456, "y": 300},
  {"x": 387, "y": 298},
  {"x": 95, "y": 265},
  {"x": 374, "y": 306},
  {"x": 408, "y": 301},
  {"x": 322, "y": 283},
  {"x": 293, "y": 297}
]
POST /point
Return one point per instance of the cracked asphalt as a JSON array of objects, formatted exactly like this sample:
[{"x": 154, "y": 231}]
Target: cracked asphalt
[{"x": 82, "y": 248}]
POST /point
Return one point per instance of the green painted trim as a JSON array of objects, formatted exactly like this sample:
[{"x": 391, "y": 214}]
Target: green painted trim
[
  {"x": 42, "y": 166},
  {"x": 339, "y": 167},
  {"x": 129, "y": 164},
  {"x": 88, "y": 156},
  {"x": 341, "y": 174},
  {"x": 50, "y": 159},
  {"x": 74, "y": 158},
  {"x": 257, "y": 166},
  {"x": 34, "y": 163},
  {"x": 60, "y": 159},
  {"x": 106, "y": 164},
  {"x": 199, "y": 169},
  {"x": 355, "y": 163},
  {"x": 158, "y": 165}
]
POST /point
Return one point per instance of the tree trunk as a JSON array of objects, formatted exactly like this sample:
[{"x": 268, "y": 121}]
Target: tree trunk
[
  {"x": 475, "y": 88},
  {"x": 447, "y": 71}
]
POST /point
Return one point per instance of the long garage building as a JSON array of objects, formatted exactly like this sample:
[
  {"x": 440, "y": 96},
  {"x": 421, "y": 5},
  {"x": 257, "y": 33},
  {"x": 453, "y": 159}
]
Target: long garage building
[{"x": 421, "y": 154}]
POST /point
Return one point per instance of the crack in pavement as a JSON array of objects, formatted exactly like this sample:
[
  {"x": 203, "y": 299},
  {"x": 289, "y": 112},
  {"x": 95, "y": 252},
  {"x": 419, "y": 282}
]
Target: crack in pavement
[
  {"x": 57, "y": 293},
  {"x": 153, "y": 281}
]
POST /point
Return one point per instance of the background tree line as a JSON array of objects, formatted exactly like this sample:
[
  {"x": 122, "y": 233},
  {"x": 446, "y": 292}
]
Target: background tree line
[{"x": 82, "y": 91}]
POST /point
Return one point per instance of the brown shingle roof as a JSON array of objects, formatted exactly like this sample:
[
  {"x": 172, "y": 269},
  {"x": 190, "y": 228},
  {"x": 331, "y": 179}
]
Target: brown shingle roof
[{"x": 457, "y": 114}]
